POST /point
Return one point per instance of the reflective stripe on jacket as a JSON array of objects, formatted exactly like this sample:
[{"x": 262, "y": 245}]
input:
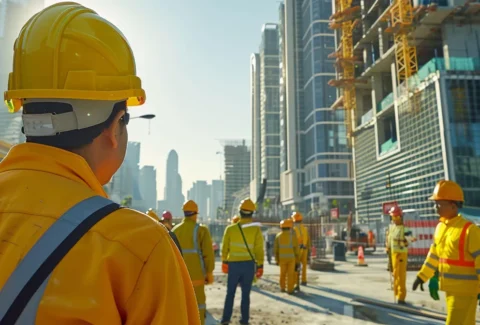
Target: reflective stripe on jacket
[
  {"x": 197, "y": 249},
  {"x": 455, "y": 252},
  {"x": 286, "y": 247},
  {"x": 233, "y": 245},
  {"x": 302, "y": 236}
]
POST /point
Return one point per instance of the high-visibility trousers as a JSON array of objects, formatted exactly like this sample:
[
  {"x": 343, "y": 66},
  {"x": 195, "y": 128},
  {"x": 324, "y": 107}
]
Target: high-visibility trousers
[
  {"x": 303, "y": 261},
  {"x": 201, "y": 301},
  {"x": 399, "y": 265},
  {"x": 287, "y": 274},
  {"x": 461, "y": 309}
]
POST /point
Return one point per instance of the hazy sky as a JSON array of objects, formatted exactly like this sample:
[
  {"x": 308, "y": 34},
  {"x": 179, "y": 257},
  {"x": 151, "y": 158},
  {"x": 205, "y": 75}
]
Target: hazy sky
[{"x": 193, "y": 57}]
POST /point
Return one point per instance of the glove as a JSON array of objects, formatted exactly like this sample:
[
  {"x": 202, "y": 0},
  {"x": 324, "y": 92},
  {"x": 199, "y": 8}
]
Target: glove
[
  {"x": 225, "y": 267},
  {"x": 433, "y": 287},
  {"x": 259, "y": 271},
  {"x": 297, "y": 267},
  {"x": 209, "y": 278},
  {"x": 478, "y": 297},
  {"x": 418, "y": 282}
]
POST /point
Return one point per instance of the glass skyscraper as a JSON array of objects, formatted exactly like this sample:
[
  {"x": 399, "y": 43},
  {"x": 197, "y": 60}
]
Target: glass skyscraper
[{"x": 324, "y": 156}]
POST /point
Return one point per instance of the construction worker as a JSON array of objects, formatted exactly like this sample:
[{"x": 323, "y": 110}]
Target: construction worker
[
  {"x": 166, "y": 219},
  {"x": 151, "y": 213},
  {"x": 74, "y": 75},
  {"x": 235, "y": 220},
  {"x": 287, "y": 255},
  {"x": 242, "y": 260},
  {"x": 455, "y": 254},
  {"x": 304, "y": 243},
  {"x": 397, "y": 247},
  {"x": 198, "y": 253}
]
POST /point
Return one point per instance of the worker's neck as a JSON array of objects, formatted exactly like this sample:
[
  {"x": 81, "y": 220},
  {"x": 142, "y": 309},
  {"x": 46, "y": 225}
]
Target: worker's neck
[{"x": 93, "y": 160}]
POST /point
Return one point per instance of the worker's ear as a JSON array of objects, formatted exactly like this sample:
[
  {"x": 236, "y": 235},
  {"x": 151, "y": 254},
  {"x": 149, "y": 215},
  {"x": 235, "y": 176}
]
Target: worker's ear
[{"x": 115, "y": 130}]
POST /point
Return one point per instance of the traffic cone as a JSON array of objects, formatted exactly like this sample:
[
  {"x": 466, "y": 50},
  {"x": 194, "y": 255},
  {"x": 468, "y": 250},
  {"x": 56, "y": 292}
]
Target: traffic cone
[{"x": 361, "y": 257}]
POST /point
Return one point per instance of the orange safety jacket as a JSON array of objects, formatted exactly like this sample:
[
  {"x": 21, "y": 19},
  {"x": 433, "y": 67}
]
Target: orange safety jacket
[{"x": 455, "y": 253}]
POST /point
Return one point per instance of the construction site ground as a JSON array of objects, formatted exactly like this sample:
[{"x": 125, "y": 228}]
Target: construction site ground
[{"x": 329, "y": 298}]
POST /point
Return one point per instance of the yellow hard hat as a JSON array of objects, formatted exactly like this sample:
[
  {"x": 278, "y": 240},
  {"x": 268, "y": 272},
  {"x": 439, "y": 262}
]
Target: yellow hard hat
[
  {"x": 190, "y": 208},
  {"x": 247, "y": 206},
  {"x": 448, "y": 191},
  {"x": 287, "y": 223},
  {"x": 297, "y": 216},
  {"x": 235, "y": 219},
  {"x": 69, "y": 51},
  {"x": 152, "y": 214}
]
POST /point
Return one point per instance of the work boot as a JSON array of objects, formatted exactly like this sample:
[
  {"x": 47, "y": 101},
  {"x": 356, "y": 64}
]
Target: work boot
[
  {"x": 282, "y": 290},
  {"x": 297, "y": 288},
  {"x": 304, "y": 283},
  {"x": 401, "y": 302}
]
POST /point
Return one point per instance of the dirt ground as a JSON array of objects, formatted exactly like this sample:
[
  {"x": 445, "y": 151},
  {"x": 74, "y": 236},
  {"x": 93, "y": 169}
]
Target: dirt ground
[{"x": 270, "y": 306}]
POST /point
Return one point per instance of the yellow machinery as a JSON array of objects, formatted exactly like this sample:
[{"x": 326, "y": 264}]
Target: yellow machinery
[
  {"x": 401, "y": 20},
  {"x": 344, "y": 19}
]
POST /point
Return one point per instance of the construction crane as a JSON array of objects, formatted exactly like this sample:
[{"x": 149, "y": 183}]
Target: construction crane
[
  {"x": 401, "y": 20},
  {"x": 344, "y": 19}
]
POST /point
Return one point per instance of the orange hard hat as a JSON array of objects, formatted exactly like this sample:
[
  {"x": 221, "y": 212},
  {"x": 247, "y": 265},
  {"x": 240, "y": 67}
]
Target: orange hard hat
[
  {"x": 167, "y": 215},
  {"x": 448, "y": 191},
  {"x": 297, "y": 216},
  {"x": 287, "y": 223}
]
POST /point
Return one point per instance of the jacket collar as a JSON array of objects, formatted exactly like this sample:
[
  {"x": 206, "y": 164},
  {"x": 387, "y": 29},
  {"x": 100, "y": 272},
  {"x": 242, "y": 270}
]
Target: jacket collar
[{"x": 37, "y": 157}]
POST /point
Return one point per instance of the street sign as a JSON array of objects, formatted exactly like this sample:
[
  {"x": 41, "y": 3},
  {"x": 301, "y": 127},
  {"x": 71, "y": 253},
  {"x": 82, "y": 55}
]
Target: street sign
[
  {"x": 334, "y": 213},
  {"x": 388, "y": 205}
]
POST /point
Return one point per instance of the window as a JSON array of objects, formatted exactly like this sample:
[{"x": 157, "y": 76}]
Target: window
[
  {"x": 273, "y": 123},
  {"x": 321, "y": 63},
  {"x": 321, "y": 9},
  {"x": 309, "y": 98},
  {"x": 325, "y": 95},
  {"x": 321, "y": 28}
]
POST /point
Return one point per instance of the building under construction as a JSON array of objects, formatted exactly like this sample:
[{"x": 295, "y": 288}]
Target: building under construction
[
  {"x": 237, "y": 171},
  {"x": 409, "y": 78}
]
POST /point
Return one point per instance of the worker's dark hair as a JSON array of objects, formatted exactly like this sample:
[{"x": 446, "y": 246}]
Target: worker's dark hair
[
  {"x": 459, "y": 204},
  {"x": 245, "y": 214},
  {"x": 69, "y": 140}
]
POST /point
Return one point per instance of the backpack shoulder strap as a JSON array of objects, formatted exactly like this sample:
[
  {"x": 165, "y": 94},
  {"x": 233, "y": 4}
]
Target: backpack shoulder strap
[{"x": 21, "y": 294}]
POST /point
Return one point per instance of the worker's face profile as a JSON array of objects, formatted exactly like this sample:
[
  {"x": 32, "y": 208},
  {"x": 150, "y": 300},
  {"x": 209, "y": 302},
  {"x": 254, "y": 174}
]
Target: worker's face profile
[{"x": 445, "y": 208}]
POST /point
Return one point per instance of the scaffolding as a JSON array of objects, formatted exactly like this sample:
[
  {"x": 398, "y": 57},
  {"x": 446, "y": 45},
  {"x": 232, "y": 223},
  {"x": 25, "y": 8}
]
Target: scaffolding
[
  {"x": 401, "y": 17},
  {"x": 344, "y": 19}
]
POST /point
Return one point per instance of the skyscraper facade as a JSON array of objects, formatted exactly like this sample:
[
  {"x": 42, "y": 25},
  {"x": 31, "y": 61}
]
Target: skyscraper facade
[
  {"x": 237, "y": 171},
  {"x": 316, "y": 161},
  {"x": 270, "y": 110},
  {"x": 173, "y": 186},
  {"x": 216, "y": 198},
  {"x": 256, "y": 153},
  {"x": 200, "y": 193},
  {"x": 148, "y": 187}
]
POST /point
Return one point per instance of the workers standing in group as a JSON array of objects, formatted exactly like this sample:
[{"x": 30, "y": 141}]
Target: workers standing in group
[
  {"x": 151, "y": 212},
  {"x": 397, "y": 246},
  {"x": 242, "y": 260},
  {"x": 455, "y": 254},
  {"x": 198, "y": 254},
  {"x": 304, "y": 243},
  {"x": 74, "y": 75},
  {"x": 287, "y": 255}
]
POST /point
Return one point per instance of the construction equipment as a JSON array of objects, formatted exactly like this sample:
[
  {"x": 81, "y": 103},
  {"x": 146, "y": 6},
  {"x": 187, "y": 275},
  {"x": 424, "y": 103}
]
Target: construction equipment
[
  {"x": 401, "y": 20},
  {"x": 345, "y": 19}
]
